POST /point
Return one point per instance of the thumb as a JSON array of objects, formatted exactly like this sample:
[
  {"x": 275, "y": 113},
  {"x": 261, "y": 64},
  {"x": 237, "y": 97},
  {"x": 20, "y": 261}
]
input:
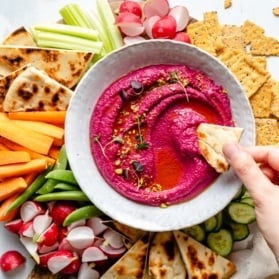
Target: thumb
[{"x": 247, "y": 170}]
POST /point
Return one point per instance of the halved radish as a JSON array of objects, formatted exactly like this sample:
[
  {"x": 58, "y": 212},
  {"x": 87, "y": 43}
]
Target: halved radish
[
  {"x": 27, "y": 230},
  {"x": 148, "y": 24},
  {"x": 31, "y": 247},
  {"x": 156, "y": 7},
  {"x": 11, "y": 260},
  {"x": 181, "y": 16},
  {"x": 60, "y": 210},
  {"x": 49, "y": 236},
  {"x": 164, "y": 28},
  {"x": 41, "y": 223},
  {"x": 112, "y": 252},
  {"x": 86, "y": 272},
  {"x": 129, "y": 40},
  {"x": 14, "y": 225},
  {"x": 96, "y": 224},
  {"x": 129, "y": 24},
  {"x": 58, "y": 262},
  {"x": 72, "y": 268},
  {"x": 131, "y": 7},
  {"x": 76, "y": 224},
  {"x": 29, "y": 210},
  {"x": 93, "y": 254},
  {"x": 182, "y": 36},
  {"x": 43, "y": 260},
  {"x": 81, "y": 237},
  {"x": 42, "y": 249},
  {"x": 113, "y": 238}
]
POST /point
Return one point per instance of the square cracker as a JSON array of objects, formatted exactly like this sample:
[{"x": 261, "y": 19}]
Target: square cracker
[
  {"x": 267, "y": 131},
  {"x": 261, "y": 100},
  {"x": 263, "y": 45},
  {"x": 251, "y": 31},
  {"x": 274, "y": 107},
  {"x": 233, "y": 37}
]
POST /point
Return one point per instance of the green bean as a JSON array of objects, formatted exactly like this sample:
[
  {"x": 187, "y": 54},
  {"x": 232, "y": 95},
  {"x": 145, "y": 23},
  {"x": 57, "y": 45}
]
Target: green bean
[
  {"x": 60, "y": 164},
  {"x": 63, "y": 176},
  {"x": 82, "y": 213},
  {"x": 62, "y": 195},
  {"x": 30, "y": 191},
  {"x": 65, "y": 187}
]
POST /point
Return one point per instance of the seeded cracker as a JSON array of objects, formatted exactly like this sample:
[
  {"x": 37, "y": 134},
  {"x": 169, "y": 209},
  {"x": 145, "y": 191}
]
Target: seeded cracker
[
  {"x": 230, "y": 56},
  {"x": 275, "y": 100},
  {"x": 250, "y": 74},
  {"x": 267, "y": 131},
  {"x": 251, "y": 31},
  {"x": 261, "y": 100},
  {"x": 264, "y": 45},
  {"x": 233, "y": 37},
  {"x": 227, "y": 4},
  {"x": 275, "y": 11}
]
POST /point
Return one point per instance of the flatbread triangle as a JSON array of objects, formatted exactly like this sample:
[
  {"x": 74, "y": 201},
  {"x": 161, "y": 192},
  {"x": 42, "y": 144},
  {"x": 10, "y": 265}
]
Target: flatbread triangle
[
  {"x": 200, "y": 261},
  {"x": 211, "y": 139}
]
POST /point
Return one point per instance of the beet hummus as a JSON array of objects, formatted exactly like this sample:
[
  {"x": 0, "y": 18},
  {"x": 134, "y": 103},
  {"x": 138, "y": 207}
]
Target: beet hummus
[{"x": 143, "y": 133}]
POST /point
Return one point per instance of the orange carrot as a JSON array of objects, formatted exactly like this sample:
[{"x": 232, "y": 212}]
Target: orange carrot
[
  {"x": 11, "y": 186},
  {"x": 55, "y": 117},
  {"x": 41, "y": 127},
  {"x": 53, "y": 152},
  {"x": 8, "y": 216},
  {"x": 12, "y": 157},
  {"x": 34, "y": 155},
  {"x": 11, "y": 170},
  {"x": 25, "y": 137},
  {"x": 30, "y": 177}
]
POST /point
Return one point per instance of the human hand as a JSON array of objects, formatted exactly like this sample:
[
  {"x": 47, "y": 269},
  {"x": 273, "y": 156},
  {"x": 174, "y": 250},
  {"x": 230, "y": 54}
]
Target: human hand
[{"x": 258, "y": 169}]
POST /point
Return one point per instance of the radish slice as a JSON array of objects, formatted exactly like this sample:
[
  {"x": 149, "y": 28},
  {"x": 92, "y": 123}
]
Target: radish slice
[
  {"x": 131, "y": 28},
  {"x": 29, "y": 210},
  {"x": 41, "y": 223},
  {"x": 131, "y": 7},
  {"x": 97, "y": 225},
  {"x": 164, "y": 28},
  {"x": 156, "y": 7},
  {"x": 112, "y": 252},
  {"x": 86, "y": 272},
  {"x": 57, "y": 263},
  {"x": 14, "y": 225},
  {"x": 148, "y": 25},
  {"x": 31, "y": 247},
  {"x": 27, "y": 229},
  {"x": 49, "y": 236},
  {"x": 132, "y": 40},
  {"x": 181, "y": 16},
  {"x": 76, "y": 224},
  {"x": 113, "y": 238},
  {"x": 81, "y": 237},
  {"x": 92, "y": 254},
  {"x": 46, "y": 249}
]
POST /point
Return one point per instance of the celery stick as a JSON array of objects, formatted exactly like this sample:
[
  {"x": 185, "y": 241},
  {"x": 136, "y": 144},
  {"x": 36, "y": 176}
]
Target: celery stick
[
  {"x": 53, "y": 40},
  {"x": 107, "y": 18},
  {"x": 69, "y": 30},
  {"x": 72, "y": 14}
]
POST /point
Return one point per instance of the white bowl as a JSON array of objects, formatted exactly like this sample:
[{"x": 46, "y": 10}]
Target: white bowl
[{"x": 99, "y": 77}]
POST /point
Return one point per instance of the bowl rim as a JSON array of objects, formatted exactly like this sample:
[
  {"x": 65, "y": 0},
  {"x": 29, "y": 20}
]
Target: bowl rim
[{"x": 77, "y": 143}]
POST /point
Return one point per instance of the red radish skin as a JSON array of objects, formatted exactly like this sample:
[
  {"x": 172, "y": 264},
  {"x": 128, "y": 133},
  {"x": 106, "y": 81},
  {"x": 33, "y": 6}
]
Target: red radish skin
[
  {"x": 72, "y": 268},
  {"x": 50, "y": 236},
  {"x": 11, "y": 260},
  {"x": 182, "y": 37},
  {"x": 131, "y": 7},
  {"x": 148, "y": 25},
  {"x": 156, "y": 7},
  {"x": 57, "y": 263},
  {"x": 129, "y": 24},
  {"x": 181, "y": 16},
  {"x": 14, "y": 225},
  {"x": 27, "y": 230},
  {"x": 45, "y": 257},
  {"x": 29, "y": 210},
  {"x": 60, "y": 210},
  {"x": 164, "y": 28},
  {"x": 42, "y": 249},
  {"x": 62, "y": 233}
]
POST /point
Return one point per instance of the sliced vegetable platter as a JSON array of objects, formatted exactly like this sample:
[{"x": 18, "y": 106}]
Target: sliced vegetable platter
[{"x": 48, "y": 12}]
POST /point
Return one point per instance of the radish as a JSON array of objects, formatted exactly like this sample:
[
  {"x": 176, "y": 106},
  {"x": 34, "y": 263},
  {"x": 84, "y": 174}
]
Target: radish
[
  {"x": 129, "y": 24},
  {"x": 14, "y": 225},
  {"x": 30, "y": 210},
  {"x": 156, "y": 7},
  {"x": 50, "y": 236},
  {"x": 62, "y": 233},
  {"x": 164, "y": 28},
  {"x": 131, "y": 7},
  {"x": 40, "y": 224},
  {"x": 113, "y": 238},
  {"x": 43, "y": 249},
  {"x": 58, "y": 262},
  {"x": 86, "y": 272},
  {"x": 73, "y": 267},
  {"x": 43, "y": 259},
  {"x": 182, "y": 37},
  {"x": 149, "y": 23},
  {"x": 11, "y": 260},
  {"x": 97, "y": 225},
  {"x": 76, "y": 224},
  {"x": 60, "y": 210},
  {"x": 181, "y": 16},
  {"x": 81, "y": 237},
  {"x": 112, "y": 252},
  {"x": 129, "y": 40},
  {"x": 27, "y": 230},
  {"x": 31, "y": 247},
  {"x": 93, "y": 254}
]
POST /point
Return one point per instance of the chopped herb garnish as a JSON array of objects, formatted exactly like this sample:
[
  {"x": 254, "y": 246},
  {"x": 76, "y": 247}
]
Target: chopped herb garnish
[
  {"x": 141, "y": 143},
  {"x": 118, "y": 140},
  {"x": 174, "y": 78}
]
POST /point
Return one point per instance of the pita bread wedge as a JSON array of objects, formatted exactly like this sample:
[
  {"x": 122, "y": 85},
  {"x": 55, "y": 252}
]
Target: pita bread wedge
[
  {"x": 5, "y": 83},
  {"x": 200, "y": 261},
  {"x": 34, "y": 90},
  {"x": 19, "y": 37},
  {"x": 65, "y": 66},
  {"x": 165, "y": 261},
  {"x": 132, "y": 264},
  {"x": 211, "y": 139}
]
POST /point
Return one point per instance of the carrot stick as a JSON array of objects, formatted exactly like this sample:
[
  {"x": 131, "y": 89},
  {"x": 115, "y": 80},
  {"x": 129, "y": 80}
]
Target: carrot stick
[
  {"x": 25, "y": 137},
  {"x": 41, "y": 127},
  {"x": 55, "y": 117},
  {"x": 34, "y": 155},
  {"x": 30, "y": 177},
  {"x": 6, "y": 216},
  {"x": 3, "y": 147},
  {"x": 11, "y": 186},
  {"x": 11, "y": 170},
  {"x": 13, "y": 157}
]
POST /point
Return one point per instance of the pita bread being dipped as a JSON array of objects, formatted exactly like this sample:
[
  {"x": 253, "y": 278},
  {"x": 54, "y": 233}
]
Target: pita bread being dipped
[
  {"x": 200, "y": 261},
  {"x": 33, "y": 90},
  {"x": 65, "y": 66},
  {"x": 165, "y": 261},
  {"x": 211, "y": 138}
]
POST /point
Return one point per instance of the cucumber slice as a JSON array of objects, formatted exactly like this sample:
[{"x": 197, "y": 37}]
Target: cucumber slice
[
  {"x": 239, "y": 194},
  {"x": 220, "y": 242},
  {"x": 241, "y": 213},
  {"x": 239, "y": 231},
  {"x": 196, "y": 231},
  {"x": 247, "y": 200},
  {"x": 210, "y": 224},
  {"x": 219, "y": 217}
]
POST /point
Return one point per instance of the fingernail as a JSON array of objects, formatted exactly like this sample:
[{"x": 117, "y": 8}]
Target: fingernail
[{"x": 230, "y": 149}]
